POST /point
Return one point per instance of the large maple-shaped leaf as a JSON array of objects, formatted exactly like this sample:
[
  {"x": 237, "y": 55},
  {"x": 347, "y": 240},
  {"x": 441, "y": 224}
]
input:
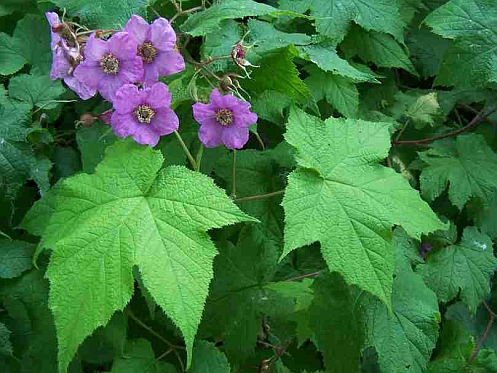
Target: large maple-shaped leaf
[
  {"x": 466, "y": 267},
  {"x": 405, "y": 338},
  {"x": 472, "y": 59},
  {"x": 333, "y": 17},
  {"x": 341, "y": 197},
  {"x": 129, "y": 212},
  {"x": 467, "y": 164}
]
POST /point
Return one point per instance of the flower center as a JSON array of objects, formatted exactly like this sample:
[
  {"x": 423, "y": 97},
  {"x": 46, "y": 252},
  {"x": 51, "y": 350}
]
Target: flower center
[
  {"x": 147, "y": 52},
  {"x": 110, "y": 64},
  {"x": 144, "y": 114},
  {"x": 224, "y": 117}
]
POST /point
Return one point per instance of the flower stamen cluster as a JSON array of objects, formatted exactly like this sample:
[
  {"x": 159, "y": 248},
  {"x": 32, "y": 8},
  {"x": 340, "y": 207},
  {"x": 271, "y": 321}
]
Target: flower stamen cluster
[
  {"x": 147, "y": 52},
  {"x": 109, "y": 64},
  {"x": 224, "y": 117},
  {"x": 144, "y": 114}
]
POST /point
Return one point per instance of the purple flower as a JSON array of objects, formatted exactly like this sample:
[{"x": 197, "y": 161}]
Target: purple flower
[
  {"x": 143, "y": 114},
  {"x": 65, "y": 58},
  {"x": 110, "y": 64},
  {"x": 156, "y": 47},
  {"x": 224, "y": 121}
]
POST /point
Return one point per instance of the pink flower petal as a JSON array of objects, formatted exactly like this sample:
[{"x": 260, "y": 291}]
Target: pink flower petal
[
  {"x": 245, "y": 119},
  {"x": 95, "y": 48},
  {"x": 146, "y": 136},
  {"x": 165, "y": 121},
  {"x": 203, "y": 112},
  {"x": 127, "y": 99},
  {"x": 60, "y": 64},
  {"x": 123, "y": 46},
  {"x": 158, "y": 96},
  {"x": 169, "y": 62},
  {"x": 217, "y": 99},
  {"x": 150, "y": 74},
  {"x": 138, "y": 28},
  {"x": 162, "y": 34},
  {"x": 124, "y": 125},
  {"x": 211, "y": 133},
  {"x": 83, "y": 91},
  {"x": 131, "y": 70},
  {"x": 89, "y": 73},
  {"x": 235, "y": 137}
]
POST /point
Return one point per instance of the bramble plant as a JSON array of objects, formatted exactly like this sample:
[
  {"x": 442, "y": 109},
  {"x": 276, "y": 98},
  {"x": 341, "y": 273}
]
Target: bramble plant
[{"x": 281, "y": 186}]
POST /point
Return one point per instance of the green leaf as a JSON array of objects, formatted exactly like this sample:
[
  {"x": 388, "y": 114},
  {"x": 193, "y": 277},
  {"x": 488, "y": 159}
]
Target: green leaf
[
  {"x": 267, "y": 37},
  {"x": 139, "y": 357},
  {"x": 209, "y": 20},
  {"x": 327, "y": 59},
  {"x": 466, "y": 267},
  {"x": 36, "y": 90},
  {"x": 92, "y": 143},
  {"x": 378, "y": 48},
  {"x": 427, "y": 50},
  {"x": 155, "y": 219},
  {"x": 270, "y": 106},
  {"x": 338, "y": 326},
  {"x": 26, "y": 299},
  {"x": 466, "y": 164},
  {"x": 340, "y": 181},
  {"x": 221, "y": 42},
  {"x": 472, "y": 60},
  {"x": 15, "y": 257},
  {"x": 5, "y": 345},
  {"x": 339, "y": 92},
  {"x": 11, "y": 60},
  {"x": 238, "y": 296},
  {"x": 16, "y": 156},
  {"x": 333, "y": 18},
  {"x": 207, "y": 358},
  {"x": 10, "y": 6},
  {"x": 104, "y": 14},
  {"x": 405, "y": 338},
  {"x": 278, "y": 73},
  {"x": 255, "y": 176}
]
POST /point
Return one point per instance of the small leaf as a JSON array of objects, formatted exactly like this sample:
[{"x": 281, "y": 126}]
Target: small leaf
[
  {"x": 466, "y": 267},
  {"x": 207, "y": 358},
  {"x": 15, "y": 257}
]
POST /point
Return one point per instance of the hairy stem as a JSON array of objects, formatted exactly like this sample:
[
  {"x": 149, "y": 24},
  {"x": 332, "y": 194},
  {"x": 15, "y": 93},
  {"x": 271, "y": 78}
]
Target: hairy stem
[
  {"x": 233, "y": 175},
  {"x": 185, "y": 150},
  {"x": 200, "y": 153},
  {"x": 308, "y": 275},
  {"x": 260, "y": 196},
  {"x": 484, "y": 336},
  {"x": 476, "y": 120}
]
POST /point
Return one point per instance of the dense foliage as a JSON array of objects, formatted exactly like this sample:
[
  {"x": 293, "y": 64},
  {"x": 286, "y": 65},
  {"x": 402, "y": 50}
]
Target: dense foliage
[{"x": 248, "y": 186}]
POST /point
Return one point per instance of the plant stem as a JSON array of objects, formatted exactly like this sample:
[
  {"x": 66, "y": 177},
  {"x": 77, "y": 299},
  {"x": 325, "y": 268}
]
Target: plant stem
[
  {"x": 200, "y": 153},
  {"x": 233, "y": 175},
  {"x": 484, "y": 336},
  {"x": 153, "y": 332},
  {"x": 185, "y": 150},
  {"x": 477, "y": 119},
  {"x": 260, "y": 196},
  {"x": 308, "y": 275},
  {"x": 401, "y": 132},
  {"x": 187, "y": 11}
]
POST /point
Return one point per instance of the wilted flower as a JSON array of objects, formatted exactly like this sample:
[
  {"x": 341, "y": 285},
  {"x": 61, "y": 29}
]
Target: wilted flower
[
  {"x": 108, "y": 65},
  {"x": 65, "y": 58},
  {"x": 143, "y": 114},
  {"x": 425, "y": 248},
  {"x": 239, "y": 56},
  {"x": 225, "y": 120},
  {"x": 156, "y": 47}
]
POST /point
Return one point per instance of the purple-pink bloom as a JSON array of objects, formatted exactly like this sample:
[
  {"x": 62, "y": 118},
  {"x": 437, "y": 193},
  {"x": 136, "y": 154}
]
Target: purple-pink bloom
[
  {"x": 110, "y": 64},
  {"x": 225, "y": 120},
  {"x": 64, "y": 58},
  {"x": 156, "y": 47},
  {"x": 143, "y": 114}
]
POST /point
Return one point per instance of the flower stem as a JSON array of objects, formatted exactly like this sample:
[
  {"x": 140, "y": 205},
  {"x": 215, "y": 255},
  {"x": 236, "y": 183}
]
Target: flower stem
[
  {"x": 151, "y": 331},
  {"x": 233, "y": 176},
  {"x": 185, "y": 149},
  {"x": 200, "y": 153},
  {"x": 260, "y": 196}
]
